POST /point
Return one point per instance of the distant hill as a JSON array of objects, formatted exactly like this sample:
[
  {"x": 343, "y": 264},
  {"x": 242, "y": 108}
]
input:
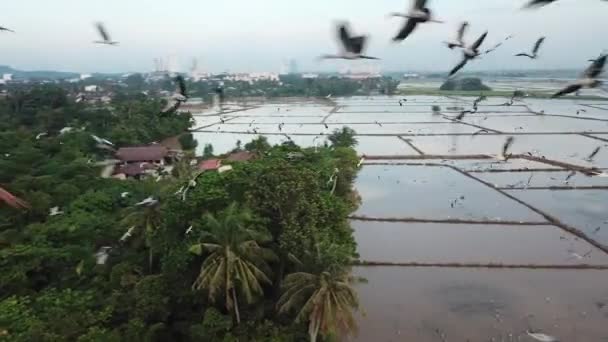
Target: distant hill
[{"x": 37, "y": 74}]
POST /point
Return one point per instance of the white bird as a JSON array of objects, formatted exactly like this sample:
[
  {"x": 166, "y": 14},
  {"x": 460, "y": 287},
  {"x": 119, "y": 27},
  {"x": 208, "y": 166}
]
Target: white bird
[
  {"x": 352, "y": 47},
  {"x": 148, "y": 202},
  {"x": 54, "y": 211},
  {"x": 459, "y": 41},
  {"x": 328, "y": 96},
  {"x": 104, "y": 35},
  {"x": 469, "y": 53},
  {"x": 65, "y": 130},
  {"x": 417, "y": 15},
  {"x": 124, "y": 194},
  {"x": 588, "y": 79},
  {"x": 361, "y": 162},
  {"x": 101, "y": 140},
  {"x": 189, "y": 230},
  {"x": 542, "y": 337},
  {"x": 127, "y": 235},
  {"x": 102, "y": 255},
  {"x": 40, "y": 135}
]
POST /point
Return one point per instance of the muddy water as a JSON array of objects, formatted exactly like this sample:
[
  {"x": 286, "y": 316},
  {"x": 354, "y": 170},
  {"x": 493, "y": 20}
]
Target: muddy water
[{"x": 407, "y": 304}]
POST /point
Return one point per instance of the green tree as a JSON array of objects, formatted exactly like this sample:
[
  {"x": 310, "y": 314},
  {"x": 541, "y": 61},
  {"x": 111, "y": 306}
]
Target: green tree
[
  {"x": 235, "y": 264},
  {"x": 258, "y": 145},
  {"x": 208, "y": 151},
  {"x": 344, "y": 137},
  {"x": 325, "y": 300}
]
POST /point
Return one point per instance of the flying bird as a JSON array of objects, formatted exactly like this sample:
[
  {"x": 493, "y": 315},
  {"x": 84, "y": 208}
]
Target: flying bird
[
  {"x": 459, "y": 42},
  {"x": 179, "y": 97},
  {"x": 101, "y": 140},
  {"x": 127, "y": 234},
  {"x": 352, "y": 46},
  {"x": 417, "y": 15},
  {"x": 469, "y": 53},
  {"x": 124, "y": 194},
  {"x": 593, "y": 154},
  {"x": 189, "y": 230},
  {"x": 40, "y": 135},
  {"x": 587, "y": 80},
  {"x": 538, "y": 3},
  {"x": 54, "y": 211},
  {"x": 506, "y": 146},
  {"x": 107, "y": 40},
  {"x": 148, "y": 202},
  {"x": 534, "y": 54},
  {"x": 2, "y": 28},
  {"x": 542, "y": 337}
]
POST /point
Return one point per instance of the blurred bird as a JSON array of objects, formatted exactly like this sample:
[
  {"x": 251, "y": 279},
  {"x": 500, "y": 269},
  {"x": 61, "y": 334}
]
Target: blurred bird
[
  {"x": 102, "y": 255},
  {"x": 542, "y": 337},
  {"x": 417, "y": 15},
  {"x": 352, "y": 47},
  {"x": 104, "y": 35},
  {"x": 189, "y": 230},
  {"x": 538, "y": 3},
  {"x": 148, "y": 202},
  {"x": 534, "y": 54},
  {"x": 54, "y": 211},
  {"x": 40, "y": 135},
  {"x": 469, "y": 53},
  {"x": 505, "y": 148},
  {"x": 101, "y": 140},
  {"x": 459, "y": 42},
  {"x": 65, "y": 130},
  {"x": 2, "y": 28},
  {"x": 587, "y": 80},
  {"x": 127, "y": 235},
  {"x": 593, "y": 154}
]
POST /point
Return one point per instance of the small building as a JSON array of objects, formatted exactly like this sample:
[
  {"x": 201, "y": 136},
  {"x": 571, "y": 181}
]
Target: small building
[
  {"x": 241, "y": 156},
  {"x": 210, "y": 165},
  {"x": 91, "y": 88},
  {"x": 136, "y": 162}
]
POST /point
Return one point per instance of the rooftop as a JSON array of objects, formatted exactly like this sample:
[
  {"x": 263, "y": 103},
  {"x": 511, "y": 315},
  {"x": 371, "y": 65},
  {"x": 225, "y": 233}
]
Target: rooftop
[{"x": 143, "y": 153}]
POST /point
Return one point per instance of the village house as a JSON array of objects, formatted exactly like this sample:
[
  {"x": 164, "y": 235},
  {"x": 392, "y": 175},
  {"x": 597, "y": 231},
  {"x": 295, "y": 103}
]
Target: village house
[{"x": 137, "y": 162}]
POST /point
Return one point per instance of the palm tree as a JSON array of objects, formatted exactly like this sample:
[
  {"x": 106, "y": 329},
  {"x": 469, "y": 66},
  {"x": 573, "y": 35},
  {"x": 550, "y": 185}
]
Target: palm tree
[
  {"x": 147, "y": 220},
  {"x": 235, "y": 264},
  {"x": 326, "y": 300}
]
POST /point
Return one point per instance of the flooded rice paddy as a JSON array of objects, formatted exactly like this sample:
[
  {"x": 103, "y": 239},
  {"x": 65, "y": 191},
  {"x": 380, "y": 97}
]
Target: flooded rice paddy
[{"x": 457, "y": 244}]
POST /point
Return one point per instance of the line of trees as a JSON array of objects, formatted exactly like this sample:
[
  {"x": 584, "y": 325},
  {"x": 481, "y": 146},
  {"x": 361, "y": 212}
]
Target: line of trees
[{"x": 259, "y": 253}]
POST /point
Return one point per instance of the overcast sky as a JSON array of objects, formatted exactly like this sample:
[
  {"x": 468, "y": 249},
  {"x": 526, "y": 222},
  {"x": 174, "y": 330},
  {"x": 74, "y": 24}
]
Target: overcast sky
[{"x": 258, "y": 35}]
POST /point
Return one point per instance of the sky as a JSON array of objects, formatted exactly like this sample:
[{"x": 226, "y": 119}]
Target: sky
[{"x": 259, "y": 35}]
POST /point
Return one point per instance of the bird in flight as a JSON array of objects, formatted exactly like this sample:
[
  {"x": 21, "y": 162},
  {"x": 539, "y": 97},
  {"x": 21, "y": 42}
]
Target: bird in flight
[
  {"x": 469, "y": 53},
  {"x": 587, "y": 80},
  {"x": 352, "y": 46},
  {"x": 2, "y": 28},
  {"x": 107, "y": 40},
  {"x": 538, "y": 3},
  {"x": 417, "y": 15},
  {"x": 180, "y": 97},
  {"x": 593, "y": 154},
  {"x": 534, "y": 54},
  {"x": 506, "y": 146},
  {"x": 459, "y": 42}
]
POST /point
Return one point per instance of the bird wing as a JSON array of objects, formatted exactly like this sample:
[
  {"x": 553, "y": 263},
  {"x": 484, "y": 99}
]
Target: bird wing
[
  {"x": 596, "y": 68},
  {"x": 507, "y": 145},
  {"x": 539, "y": 42},
  {"x": 344, "y": 36},
  {"x": 569, "y": 89},
  {"x": 479, "y": 41},
  {"x": 419, "y": 4},
  {"x": 523, "y": 55},
  {"x": 357, "y": 44},
  {"x": 459, "y": 66},
  {"x": 407, "y": 29},
  {"x": 102, "y": 31},
  {"x": 538, "y": 3},
  {"x": 181, "y": 83},
  {"x": 462, "y": 30}
]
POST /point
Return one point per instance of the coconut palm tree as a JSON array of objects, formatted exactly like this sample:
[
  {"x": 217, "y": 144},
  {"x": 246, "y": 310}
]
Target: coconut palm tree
[
  {"x": 326, "y": 301},
  {"x": 235, "y": 264},
  {"x": 146, "y": 220}
]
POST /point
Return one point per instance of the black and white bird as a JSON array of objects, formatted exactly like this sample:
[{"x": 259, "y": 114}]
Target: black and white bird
[
  {"x": 587, "y": 80},
  {"x": 459, "y": 41},
  {"x": 179, "y": 97},
  {"x": 352, "y": 46},
  {"x": 469, "y": 53},
  {"x": 105, "y": 36},
  {"x": 417, "y": 15},
  {"x": 2, "y": 28},
  {"x": 534, "y": 54}
]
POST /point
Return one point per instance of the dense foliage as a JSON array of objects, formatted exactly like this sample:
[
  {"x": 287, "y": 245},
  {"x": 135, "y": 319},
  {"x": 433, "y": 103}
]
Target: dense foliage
[
  {"x": 467, "y": 84},
  {"x": 218, "y": 263}
]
